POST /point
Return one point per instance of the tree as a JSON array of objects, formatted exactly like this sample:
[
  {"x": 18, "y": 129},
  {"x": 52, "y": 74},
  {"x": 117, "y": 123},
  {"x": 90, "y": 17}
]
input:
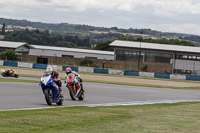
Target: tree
[
  {"x": 3, "y": 29},
  {"x": 9, "y": 54},
  {"x": 104, "y": 45}
]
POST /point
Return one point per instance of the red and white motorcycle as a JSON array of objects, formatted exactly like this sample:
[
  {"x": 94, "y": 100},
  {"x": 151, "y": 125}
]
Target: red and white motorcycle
[{"x": 75, "y": 91}]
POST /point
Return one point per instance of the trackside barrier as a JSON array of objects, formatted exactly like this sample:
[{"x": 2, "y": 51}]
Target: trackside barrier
[
  {"x": 86, "y": 69},
  {"x": 1, "y": 63},
  {"x": 131, "y": 73},
  {"x": 10, "y": 63},
  {"x": 97, "y": 70},
  {"x": 23, "y": 64},
  {"x": 159, "y": 75},
  {"x": 197, "y": 78},
  {"x": 73, "y": 68},
  {"x": 40, "y": 66},
  {"x": 180, "y": 77},
  {"x": 56, "y": 67},
  {"x": 118, "y": 72},
  {"x": 146, "y": 74}
]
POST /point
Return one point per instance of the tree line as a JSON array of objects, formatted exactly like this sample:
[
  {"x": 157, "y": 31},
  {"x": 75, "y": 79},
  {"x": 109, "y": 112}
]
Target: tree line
[{"x": 37, "y": 37}]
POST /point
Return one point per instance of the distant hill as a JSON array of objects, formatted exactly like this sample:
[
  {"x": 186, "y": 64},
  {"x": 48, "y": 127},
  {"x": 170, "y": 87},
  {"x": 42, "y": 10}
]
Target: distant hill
[{"x": 94, "y": 33}]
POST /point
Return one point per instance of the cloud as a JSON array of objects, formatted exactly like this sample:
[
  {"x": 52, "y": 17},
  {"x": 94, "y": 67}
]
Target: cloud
[{"x": 164, "y": 15}]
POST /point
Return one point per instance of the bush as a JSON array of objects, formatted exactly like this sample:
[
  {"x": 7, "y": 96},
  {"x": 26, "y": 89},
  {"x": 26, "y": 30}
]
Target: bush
[
  {"x": 86, "y": 62},
  {"x": 9, "y": 54}
]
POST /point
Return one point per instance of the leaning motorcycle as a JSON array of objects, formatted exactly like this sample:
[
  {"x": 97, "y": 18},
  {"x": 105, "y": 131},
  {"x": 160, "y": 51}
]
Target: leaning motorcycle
[
  {"x": 50, "y": 90},
  {"x": 74, "y": 92},
  {"x": 4, "y": 73}
]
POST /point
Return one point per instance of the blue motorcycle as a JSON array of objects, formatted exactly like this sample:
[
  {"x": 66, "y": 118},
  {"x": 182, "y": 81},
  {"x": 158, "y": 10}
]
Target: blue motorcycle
[{"x": 50, "y": 90}]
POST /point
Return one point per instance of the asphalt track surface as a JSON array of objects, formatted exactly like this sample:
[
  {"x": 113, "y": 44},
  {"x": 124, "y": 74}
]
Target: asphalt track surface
[{"x": 14, "y": 96}]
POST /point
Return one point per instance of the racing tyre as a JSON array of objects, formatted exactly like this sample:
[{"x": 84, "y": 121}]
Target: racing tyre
[
  {"x": 81, "y": 97},
  {"x": 72, "y": 93},
  {"x": 48, "y": 97},
  {"x": 60, "y": 102},
  {"x": 16, "y": 76}
]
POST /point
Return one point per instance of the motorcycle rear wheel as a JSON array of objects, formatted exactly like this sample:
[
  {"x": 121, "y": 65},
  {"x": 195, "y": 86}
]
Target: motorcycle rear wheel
[
  {"x": 48, "y": 97},
  {"x": 81, "y": 97},
  {"x": 60, "y": 102}
]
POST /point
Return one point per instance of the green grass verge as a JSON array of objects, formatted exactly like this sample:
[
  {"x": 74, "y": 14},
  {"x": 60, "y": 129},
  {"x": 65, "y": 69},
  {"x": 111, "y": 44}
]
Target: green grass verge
[
  {"x": 168, "y": 118},
  {"x": 119, "y": 83},
  {"x": 96, "y": 81},
  {"x": 111, "y": 75},
  {"x": 143, "y": 85},
  {"x": 17, "y": 80}
]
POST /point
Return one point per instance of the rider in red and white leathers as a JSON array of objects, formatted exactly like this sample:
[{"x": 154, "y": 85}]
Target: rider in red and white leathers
[{"x": 78, "y": 80}]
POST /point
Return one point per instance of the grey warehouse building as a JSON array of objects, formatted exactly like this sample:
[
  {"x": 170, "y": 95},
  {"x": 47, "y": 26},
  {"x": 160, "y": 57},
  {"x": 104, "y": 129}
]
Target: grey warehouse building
[
  {"x": 19, "y": 47},
  {"x": 184, "y": 59},
  {"x": 70, "y": 52},
  {"x": 38, "y": 50}
]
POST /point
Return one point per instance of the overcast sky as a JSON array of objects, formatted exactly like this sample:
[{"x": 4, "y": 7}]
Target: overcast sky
[{"x": 181, "y": 16}]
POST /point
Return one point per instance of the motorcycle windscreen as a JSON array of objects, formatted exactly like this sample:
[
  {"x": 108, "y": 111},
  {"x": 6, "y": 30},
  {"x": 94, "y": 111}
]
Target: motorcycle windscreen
[{"x": 45, "y": 80}]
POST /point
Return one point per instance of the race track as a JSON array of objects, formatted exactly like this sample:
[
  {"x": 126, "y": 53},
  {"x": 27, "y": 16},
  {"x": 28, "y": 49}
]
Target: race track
[{"x": 29, "y": 95}]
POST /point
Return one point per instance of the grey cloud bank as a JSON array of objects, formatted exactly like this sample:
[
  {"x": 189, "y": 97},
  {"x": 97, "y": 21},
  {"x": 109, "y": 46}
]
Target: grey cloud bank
[{"x": 163, "y": 15}]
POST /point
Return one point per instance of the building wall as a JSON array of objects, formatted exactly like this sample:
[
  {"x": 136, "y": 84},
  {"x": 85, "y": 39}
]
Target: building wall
[
  {"x": 65, "y": 53},
  {"x": 191, "y": 65},
  {"x": 22, "y": 49}
]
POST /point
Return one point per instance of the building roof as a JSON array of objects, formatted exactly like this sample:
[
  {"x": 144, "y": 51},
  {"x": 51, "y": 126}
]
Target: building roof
[
  {"x": 155, "y": 46},
  {"x": 7, "y": 44},
  {"x": 73, "y": 50}
]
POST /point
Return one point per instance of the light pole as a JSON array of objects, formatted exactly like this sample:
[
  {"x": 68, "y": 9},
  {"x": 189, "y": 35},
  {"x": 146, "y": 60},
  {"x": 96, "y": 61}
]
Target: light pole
[{"x": 140, "y": 52}]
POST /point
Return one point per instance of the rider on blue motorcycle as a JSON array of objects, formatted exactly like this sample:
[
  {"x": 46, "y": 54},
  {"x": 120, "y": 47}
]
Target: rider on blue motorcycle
[
  {"x": 78, "y": 80},
  {"x": 55, "y": 77}
]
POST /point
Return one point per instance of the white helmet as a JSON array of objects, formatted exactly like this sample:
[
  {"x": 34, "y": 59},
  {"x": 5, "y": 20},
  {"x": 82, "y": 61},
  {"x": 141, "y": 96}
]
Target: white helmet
[{"x": 49, "y": 69}]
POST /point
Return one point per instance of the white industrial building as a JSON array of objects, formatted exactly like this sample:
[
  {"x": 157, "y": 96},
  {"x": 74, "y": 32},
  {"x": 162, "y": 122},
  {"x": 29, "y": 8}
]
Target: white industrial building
[
  {"x": 70, "y": 52},
  {"x": 20, "y": 47},
  {"x": 184, "y": 59},
  {"x": 39, "y": 50}
]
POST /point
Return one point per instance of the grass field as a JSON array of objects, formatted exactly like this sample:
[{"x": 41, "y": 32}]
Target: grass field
[{"x": 165, "y": 118}]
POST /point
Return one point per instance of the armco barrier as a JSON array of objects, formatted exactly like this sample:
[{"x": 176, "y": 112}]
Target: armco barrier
[
  {"x": 159, "y": 75},
  {"x": 10, "y": 63},
  {"x": 97, "y": 70},
  {"x": 40, "y": 66},
  {"x": 146, "y": 74},
  {"x": 179, "y": 77},
  {"x": 73, "y": 68},
  {"x": 118, "y": 72},
  {"x": 86, "y": 69},
  {"x": 1, "y": 62},
  {"x": 131, "y": 73},
  {"x": 197, "y": 78},
  {"x": 23, "y": 64}
]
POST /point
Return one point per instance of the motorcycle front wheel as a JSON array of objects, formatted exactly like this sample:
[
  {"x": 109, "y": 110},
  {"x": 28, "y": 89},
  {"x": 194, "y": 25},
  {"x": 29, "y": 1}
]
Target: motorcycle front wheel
[
  {"x": 48, "y": 97},
  {"x": 72, "y": 93}
]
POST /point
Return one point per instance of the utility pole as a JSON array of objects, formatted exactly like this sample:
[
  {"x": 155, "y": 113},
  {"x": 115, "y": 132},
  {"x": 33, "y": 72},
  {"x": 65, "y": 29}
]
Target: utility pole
[
  {"x": 140, "y": 52},
  {"x": 3, "y": 29}
]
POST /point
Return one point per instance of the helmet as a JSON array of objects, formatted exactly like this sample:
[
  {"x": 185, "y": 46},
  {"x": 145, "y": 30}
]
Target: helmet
[
  {"x": 68, "y": 70},
  {"x": 49, "y": 70}
]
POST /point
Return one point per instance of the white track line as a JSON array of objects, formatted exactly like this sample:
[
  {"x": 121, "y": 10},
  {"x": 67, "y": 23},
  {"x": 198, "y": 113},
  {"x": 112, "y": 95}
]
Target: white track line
[{"x": 110, "y": 104}]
